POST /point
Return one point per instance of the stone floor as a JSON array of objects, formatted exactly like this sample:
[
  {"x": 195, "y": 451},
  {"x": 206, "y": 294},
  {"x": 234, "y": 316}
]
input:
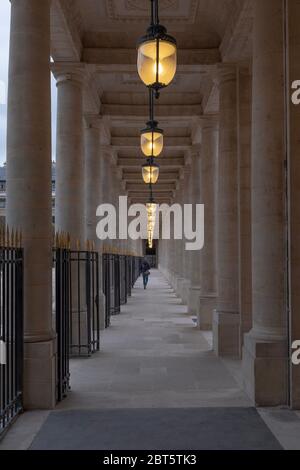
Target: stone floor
[{"x": 153, "y": 357}]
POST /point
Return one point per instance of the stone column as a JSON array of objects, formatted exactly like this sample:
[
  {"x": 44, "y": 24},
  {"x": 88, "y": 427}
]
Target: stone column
[
  {"x": 29, "y": 206},
  {"x": 184, "y": 285},
  {"x": 208, "y": 256},
  {"x": 94, "y": 179},
  {"x": 195, "y": 191},
  {"x": 265, "y": 347},
  {"x": 108, "y": 190},
  {"x": 179, "y": 252},
  {"x": 292, "y": 26},
  {"x": 226, "y": 318},
  {"x": 70, "y": 195},
  {"x": 176, "y": 253},
  {"x": 70, "y": 187},
  {"x": 244, "y": 152}
]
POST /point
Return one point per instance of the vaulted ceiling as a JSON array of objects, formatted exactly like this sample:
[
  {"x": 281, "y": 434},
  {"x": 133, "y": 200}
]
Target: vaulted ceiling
[{"x": 103, "y": 34}]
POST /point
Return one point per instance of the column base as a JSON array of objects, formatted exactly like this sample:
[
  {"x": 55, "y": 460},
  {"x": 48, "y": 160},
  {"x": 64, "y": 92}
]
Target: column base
[
  {"x": 180, "y": 280},
  {"x": 40, "y": 375},
  {"x": 226, "y": 334},
  {"x": 184, "y": 291},
  {"x": 265, "y": 370},
  {"x": 194, "y": 300},
  {"x": 205, "y": 313},
  {"x": 175, "y": 282}
]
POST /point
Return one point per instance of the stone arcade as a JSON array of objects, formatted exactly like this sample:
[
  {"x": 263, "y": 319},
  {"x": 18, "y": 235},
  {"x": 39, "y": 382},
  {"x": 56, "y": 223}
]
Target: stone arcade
[{"x": 231, "y": 143}]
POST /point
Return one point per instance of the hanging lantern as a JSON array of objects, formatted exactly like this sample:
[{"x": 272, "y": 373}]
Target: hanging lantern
[
  {"x": 150, "y": 173},
  {"x": 152, "y": 140},
  {"x": 151, "y": 213},
  {"x": 157, "y": 54}
]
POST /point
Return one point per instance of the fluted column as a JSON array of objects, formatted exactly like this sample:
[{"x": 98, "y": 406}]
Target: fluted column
[
  {"x": 226, "y": 316},
  {"x": 29, "y": 207},
  {"x": 195, "y": 256},
  {"x": 265, "y": 347},
  {"x": 208, "y": 256},
  {"x": 70, "y": 195}
]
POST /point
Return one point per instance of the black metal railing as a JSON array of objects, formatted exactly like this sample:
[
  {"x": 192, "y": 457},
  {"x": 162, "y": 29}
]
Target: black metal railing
[
  {"x": 76, "y": 308},
  {"x": 119, "y": 275},
  {"x": 129, "y": 275},
  {"x": 123, "y": 280},
  {"x": 84, "y": 303},
  {"x": 111, "y": 285},
  {"x": 11, "y": 334},
  {"x": 62, "y": 320},
  {"x": 136, "y": 269}
]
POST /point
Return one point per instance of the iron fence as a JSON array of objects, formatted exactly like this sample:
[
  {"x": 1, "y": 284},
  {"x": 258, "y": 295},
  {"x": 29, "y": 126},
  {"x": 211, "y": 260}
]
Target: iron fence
[
  {"x": 135, "y": 270},
  {"x": 123, "y": 280},
  {"x": 111, "y": 285},
  {"x": 11, "y": 335},
  {"x": 76, "y": 307},
  {"x": 84, "y": 303},
  {"x": 62, "y": 320},
  {"x": 128, "y": 275}
]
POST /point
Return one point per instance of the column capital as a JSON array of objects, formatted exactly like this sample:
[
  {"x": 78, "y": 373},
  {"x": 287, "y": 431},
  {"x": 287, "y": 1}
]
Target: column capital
[
  {"x": 73, "y": 72},
  {"x": 209, "y": 121},
  {"x": 108, "y": 152},
  {"x": 195, "y": 151},
  {"x": 225, "y": 72},
  {"x": 245, "y": 67},
  {"x": 101, "y": 124},
  {"x": 184, "y": 172}
]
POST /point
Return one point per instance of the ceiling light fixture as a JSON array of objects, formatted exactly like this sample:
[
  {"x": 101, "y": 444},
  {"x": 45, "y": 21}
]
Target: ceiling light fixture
[{"x": 157, "y": 54}]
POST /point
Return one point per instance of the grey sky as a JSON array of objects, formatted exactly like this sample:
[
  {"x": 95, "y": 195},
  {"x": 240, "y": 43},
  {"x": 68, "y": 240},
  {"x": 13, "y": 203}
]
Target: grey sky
[{"x": 4, "y": 54}]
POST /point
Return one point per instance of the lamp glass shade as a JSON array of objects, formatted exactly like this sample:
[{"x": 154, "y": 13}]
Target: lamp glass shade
[
  {"x": 151, "y": 209},
  {"x": 150, "y": 173},
  {"x": 152, "y": 142},
  {"x": 157, "y": 55}
]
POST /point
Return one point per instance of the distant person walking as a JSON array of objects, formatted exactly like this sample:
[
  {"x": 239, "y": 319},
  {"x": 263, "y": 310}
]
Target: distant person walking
[{"x": 145, "y": 270}]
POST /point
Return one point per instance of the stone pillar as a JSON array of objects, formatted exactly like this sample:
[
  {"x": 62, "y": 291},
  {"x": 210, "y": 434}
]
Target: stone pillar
[
  {"x": 226, "y": 318},
  {"x": 265, "y": 347},
  {"x": 179, "y": 252},
  {"x": 29, "y": 206},
  {"x": 184, "y": 285},
  {"x": 195, "y": 192},
  {"x": 176, "y": 248},
  {"x": 244, "y": 153},
  {"x": 208, "y": 258},
  {"x": 70, "y": 196},
  {"x": 94, "y": 178},
  {"x": 70, "y": 186},
  {"x": 292, "y": 27},
  {"x": 108, "y": 190}
]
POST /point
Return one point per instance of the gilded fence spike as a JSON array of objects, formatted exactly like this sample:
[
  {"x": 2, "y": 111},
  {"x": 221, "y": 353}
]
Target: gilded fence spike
[
  {"x": 7, "y": 236},
  {"x": 19, "y": 239},
  {"x": 68, "y": 241},
  {"x": 1, "y": 236}
]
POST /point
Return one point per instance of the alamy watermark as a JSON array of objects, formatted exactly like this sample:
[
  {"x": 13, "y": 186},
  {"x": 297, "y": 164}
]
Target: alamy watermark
[{"x": 178, "y": 222}]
